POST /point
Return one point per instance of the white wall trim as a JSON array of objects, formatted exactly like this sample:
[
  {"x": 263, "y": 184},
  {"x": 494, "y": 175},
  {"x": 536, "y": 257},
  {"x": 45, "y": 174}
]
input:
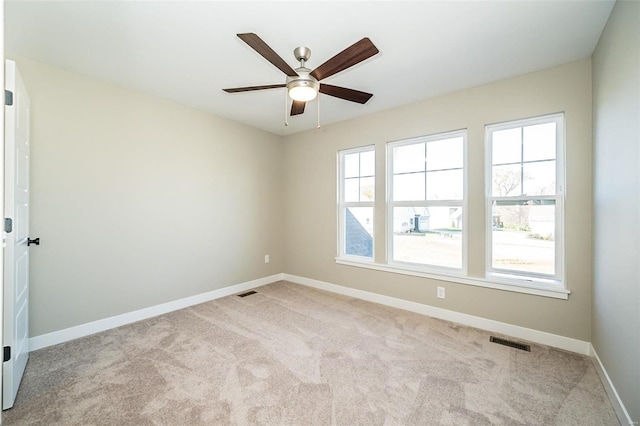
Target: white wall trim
[
  {"x": 561, "y": 342},
  {"x": 618, "y": 406},
  {"x": 61, "y": 336},
  {"x": 529, "y": 334},
  {"x": 496, "y": 281}
]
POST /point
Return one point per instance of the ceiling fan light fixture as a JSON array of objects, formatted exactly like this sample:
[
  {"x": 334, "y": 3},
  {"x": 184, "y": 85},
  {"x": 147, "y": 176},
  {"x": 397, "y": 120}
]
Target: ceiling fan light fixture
[{"x": 303, "y": 90}]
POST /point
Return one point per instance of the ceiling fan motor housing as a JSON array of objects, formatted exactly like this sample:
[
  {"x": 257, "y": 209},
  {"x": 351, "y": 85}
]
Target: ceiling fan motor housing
[{"x": 304, "y": 79}]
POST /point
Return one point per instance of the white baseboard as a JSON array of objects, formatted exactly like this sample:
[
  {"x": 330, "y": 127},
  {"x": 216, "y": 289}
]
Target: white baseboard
[
  {"x": 61, "y": 336},
  {"x": 561, "y": 342},
  {"x": 618, "y": 406},
  {"x": 532, "y": 335},
  {"x": 529, "y": 334}
]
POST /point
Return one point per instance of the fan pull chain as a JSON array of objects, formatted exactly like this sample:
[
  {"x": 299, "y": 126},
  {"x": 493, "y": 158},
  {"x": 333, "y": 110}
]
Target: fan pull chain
[
  {"x": 286, "y": 122},
  {"x": 318, "y": 111}
]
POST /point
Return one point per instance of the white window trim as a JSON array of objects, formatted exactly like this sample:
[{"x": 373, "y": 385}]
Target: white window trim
[
  {"x": 502, "y": 280},
  {"x": 518, "y": 286},
  {"x": 516, "y": 277},
  {"x": 414, "y": 267},
  {"x": 342, "y": 205}
]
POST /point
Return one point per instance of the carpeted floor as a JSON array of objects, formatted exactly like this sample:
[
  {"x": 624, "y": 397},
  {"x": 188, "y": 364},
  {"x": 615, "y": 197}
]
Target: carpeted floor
[{"x": 297, "y": 356}]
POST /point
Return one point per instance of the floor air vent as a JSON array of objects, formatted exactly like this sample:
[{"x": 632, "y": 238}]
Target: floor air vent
[
  {"x": 249, "y": 293},
  {"x": 510, "y": 343}
]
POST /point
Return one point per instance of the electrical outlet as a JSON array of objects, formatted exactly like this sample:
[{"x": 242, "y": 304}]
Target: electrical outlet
[
  {"x": 441, "y": 292},
  {"x": 266, "y": 258}
]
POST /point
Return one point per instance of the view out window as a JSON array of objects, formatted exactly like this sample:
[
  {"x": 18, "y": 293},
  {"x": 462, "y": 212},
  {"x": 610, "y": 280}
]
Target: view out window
[
  {"x": 426, "y": 201},
  {"x": 356, "y": 202},
  {"x": 525, "y": 174}
]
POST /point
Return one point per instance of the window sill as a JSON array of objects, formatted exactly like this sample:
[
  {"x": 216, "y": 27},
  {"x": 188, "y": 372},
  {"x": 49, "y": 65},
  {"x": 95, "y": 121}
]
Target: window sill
[{"x": 499, "y": 283}]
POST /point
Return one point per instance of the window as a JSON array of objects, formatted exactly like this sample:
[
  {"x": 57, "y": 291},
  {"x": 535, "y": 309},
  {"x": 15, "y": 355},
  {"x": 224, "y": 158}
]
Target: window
[
  {"x": 426, "y": 210},
  {"x": 525, "y": 181},
  {"x": 426, "y": 193},
  {"x": 356, "y": 201}
]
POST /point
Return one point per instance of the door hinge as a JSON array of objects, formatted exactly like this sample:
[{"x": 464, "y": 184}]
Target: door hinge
[
  {"x": 8, "y": 97},
  {"x": 7, "y": 354},
  {"x": 8, "y": 225}
]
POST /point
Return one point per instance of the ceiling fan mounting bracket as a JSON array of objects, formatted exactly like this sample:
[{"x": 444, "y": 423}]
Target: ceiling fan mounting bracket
[{"x": 302, "y": 54}]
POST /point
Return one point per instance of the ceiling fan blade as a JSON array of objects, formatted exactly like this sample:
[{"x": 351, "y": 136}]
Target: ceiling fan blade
[
  {"x": 257, "y": 44},
  {"x": 297, "y": 107},
  {"x": 344, "y": 93},
  {"x": 350, "y": 56},
  {"x": 250, "y": 88}
]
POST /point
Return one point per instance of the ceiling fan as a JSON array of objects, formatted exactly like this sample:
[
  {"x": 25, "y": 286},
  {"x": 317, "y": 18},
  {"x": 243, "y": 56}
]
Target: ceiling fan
[{"x": 303, "y": 84}]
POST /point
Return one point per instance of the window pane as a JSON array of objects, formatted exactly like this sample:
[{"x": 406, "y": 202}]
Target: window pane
[
  {"x": 367, "y": 189},
  {"x": 507, "y": 146},
  {"x": 539, "y": 142},
  {"x": 428, "y": 235},
  {"x": 409, "y": 158},
  {"x": 506, "y": 180},
  {"x": 351, "y": 189},
  {"x": 367, "y": 163},
  {"x": 409, "y": 187},
  {"x": 445, "y": 154},
  {"x": 358, "y": 238},
  {"x": 445, "y": 185},
  {"x": 352, "y": 165},
  {"x": 523, "y": 236},
  {"x": 540, "y": 178}
]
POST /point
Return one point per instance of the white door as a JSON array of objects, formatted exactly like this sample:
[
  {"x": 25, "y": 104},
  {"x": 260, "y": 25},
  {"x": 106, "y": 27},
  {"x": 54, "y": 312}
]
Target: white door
[{"x": 16, "y": 253}]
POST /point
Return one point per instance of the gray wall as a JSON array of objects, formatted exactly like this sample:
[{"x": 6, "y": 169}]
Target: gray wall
[
  {"x": 139, "y": 201},
  {"x": 616, "y": 290},
  {"x": 310, "y": 197}
]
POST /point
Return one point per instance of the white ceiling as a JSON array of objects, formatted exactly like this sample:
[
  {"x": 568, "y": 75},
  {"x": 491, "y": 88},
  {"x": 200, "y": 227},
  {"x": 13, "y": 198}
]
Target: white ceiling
[{"x": 188, "y": 51}]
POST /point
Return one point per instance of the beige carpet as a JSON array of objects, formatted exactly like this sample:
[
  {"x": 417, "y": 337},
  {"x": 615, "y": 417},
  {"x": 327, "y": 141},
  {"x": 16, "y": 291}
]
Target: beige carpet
[{"x": 293, "y": 355}]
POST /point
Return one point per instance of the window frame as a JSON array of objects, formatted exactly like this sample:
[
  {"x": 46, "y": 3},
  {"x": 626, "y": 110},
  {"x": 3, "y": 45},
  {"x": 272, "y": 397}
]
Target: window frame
[
  {"x": 343, "y": 205},
  {"x": 390, "y": 204},
  {"x": 557, "y": 280}
]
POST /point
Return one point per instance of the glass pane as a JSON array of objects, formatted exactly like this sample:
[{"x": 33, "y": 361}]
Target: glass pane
[
  {"x": 523, "y": 237},
  {"x": 507, "y": 146},
  {"x": 351, "y": 189},
  {"x": 409, "y": 158},
  {"x": 444, "y": 185},
  {"x": 428, "y": 235},
  {"x": 506, "y": 180},
  {"x": 358, "y": 230},
  {"x": 445, "y": 154},
  {"x": 367, "y": 163},
  {"x": 367, "y": 189},
  {"x": 352, "y": 165},
  {"x": 540, "y": 178},
  {"x": 409, "y": 187},
  {"x": 539, "y": 142}
]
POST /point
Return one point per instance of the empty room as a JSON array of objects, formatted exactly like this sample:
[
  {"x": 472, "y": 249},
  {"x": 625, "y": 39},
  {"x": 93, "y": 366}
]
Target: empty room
[{"x": 331, "y": 213}]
